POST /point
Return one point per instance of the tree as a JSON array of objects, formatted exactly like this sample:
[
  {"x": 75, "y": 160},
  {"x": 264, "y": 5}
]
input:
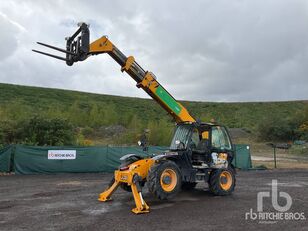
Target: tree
[
  {"x": 160, "y": 132},
  {"x": 277, "y": 128}
]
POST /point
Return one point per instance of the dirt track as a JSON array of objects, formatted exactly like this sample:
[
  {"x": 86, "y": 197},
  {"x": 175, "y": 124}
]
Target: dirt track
[{"x": 69, "y": 202}]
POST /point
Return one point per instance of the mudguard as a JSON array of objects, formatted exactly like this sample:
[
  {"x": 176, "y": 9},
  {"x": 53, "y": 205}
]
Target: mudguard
[{"x": 128, "y": 157}]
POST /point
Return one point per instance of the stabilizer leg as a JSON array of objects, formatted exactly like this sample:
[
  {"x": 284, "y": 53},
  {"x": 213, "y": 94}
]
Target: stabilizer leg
[
  {"x": 106, "y": 195},
  {"x": 141, "y": 205}
]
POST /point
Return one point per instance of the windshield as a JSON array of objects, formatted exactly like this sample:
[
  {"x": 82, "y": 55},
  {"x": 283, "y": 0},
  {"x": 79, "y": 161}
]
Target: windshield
[{"x": 180, "y": 138}]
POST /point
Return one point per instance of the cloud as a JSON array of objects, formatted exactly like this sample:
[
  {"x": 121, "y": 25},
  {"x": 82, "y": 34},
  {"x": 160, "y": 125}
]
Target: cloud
[
  {"x": 8, "y": 38},
  {"x": 206, "y": 51}
]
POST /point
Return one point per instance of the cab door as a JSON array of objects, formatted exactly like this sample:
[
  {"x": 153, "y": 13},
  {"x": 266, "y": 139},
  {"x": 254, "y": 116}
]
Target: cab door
[{"x": 221, "y": 142}]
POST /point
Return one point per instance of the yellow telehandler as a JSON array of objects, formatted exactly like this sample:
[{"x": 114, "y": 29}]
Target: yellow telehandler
[{"x": 199, "y": 152}]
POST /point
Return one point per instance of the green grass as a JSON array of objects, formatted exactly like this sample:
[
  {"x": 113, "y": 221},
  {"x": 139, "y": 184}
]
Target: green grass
[
  {"x": 244, "y": 115},
  {"x": 87, "y": 110}
]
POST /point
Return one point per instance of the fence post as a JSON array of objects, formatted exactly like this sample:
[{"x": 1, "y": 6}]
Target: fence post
[
  {"x": 235, "y": 155},
  {"x": 275, "y": 157}
]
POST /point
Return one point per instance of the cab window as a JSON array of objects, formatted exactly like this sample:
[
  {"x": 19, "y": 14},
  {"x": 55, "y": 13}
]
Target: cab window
[
  {"x": 181, "y": 135},
  {"x": 220, "y": 139},
  {"x": 195, "y": 138}
]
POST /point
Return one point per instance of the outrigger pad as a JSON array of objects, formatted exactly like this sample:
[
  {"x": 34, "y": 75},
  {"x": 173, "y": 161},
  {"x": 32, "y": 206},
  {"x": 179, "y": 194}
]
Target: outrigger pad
[{"x": 77, "y": 46}]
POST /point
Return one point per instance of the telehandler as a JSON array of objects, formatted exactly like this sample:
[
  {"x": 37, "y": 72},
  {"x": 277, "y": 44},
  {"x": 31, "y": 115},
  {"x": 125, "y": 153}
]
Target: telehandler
[{"x": 199, "y": 152}]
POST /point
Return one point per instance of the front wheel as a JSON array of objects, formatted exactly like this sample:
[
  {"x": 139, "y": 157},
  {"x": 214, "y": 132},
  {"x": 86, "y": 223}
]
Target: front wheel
[
  {"x": 222, "y": 181},
  {"x": 164, "y": 180}
]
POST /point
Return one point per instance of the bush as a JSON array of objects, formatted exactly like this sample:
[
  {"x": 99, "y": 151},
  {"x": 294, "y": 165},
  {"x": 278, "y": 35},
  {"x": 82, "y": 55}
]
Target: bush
[
  {"x": 277, "y": 128},
  {"x": 87, "y": 131},
  {"x": 303, "y": 131},
  {"x": 41, "y": 131},
  {"x": 10, "y": 132}
]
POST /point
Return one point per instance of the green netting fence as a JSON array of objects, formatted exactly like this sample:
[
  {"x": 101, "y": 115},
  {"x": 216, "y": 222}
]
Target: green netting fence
[
  {"x": 6, "y": 158},
  {"x": 34, "y": 159}
]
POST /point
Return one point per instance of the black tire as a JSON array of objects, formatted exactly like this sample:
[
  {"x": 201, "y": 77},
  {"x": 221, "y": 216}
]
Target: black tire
[
  {"x": 221, "y": 185},
  {"x": 154, "y": 180},
  {"x": 188, "y": 185}
]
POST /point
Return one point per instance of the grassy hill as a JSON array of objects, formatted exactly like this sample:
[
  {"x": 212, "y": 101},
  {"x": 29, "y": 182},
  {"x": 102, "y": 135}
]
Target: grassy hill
[{"x": 92, "y": 111}]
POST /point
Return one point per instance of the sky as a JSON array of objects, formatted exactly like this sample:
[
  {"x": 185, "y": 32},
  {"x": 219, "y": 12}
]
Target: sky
[{"x": 222, "y": 50}]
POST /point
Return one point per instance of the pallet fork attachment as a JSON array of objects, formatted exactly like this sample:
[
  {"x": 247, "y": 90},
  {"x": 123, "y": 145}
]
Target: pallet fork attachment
[{"x": 77, "y": 46}]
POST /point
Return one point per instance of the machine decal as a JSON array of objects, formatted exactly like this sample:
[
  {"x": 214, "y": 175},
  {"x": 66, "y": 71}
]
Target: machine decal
[{"x": 167, "y": 99}]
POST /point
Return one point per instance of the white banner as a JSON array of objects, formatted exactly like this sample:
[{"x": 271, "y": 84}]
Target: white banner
[{"x": 61, "y": 154}]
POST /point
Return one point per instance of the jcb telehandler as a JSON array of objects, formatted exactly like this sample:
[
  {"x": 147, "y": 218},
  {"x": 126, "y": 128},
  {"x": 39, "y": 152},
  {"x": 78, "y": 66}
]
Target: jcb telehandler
[{"x": 199, "y": 152}]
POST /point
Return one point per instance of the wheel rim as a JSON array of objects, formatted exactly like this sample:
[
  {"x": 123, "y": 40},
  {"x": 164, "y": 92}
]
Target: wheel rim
[
  {"x": 225, "y": 180},
  {"x": 168, "y": 180}
]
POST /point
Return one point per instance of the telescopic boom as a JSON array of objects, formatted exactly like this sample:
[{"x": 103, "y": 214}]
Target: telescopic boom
[{"x": 78, "y": 49}]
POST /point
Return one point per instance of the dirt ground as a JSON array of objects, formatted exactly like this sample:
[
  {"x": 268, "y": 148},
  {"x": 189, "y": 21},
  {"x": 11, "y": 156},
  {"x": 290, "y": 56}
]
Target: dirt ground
[
  {"x": 284, "y": 160},
  {"x": 69, "y": 202}
]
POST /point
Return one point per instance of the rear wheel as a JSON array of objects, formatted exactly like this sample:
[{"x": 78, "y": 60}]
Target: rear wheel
[
  {"x": 222, "y": 181},
  {"x": 164, "y": 180}
]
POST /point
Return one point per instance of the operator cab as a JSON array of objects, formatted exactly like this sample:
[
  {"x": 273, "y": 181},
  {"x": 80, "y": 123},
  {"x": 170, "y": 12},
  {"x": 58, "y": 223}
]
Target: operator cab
[{"x": 205, "y": 144}]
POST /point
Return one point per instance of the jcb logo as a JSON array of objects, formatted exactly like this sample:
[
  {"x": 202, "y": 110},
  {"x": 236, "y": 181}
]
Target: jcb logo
[{"x": 262, "y": 195}]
